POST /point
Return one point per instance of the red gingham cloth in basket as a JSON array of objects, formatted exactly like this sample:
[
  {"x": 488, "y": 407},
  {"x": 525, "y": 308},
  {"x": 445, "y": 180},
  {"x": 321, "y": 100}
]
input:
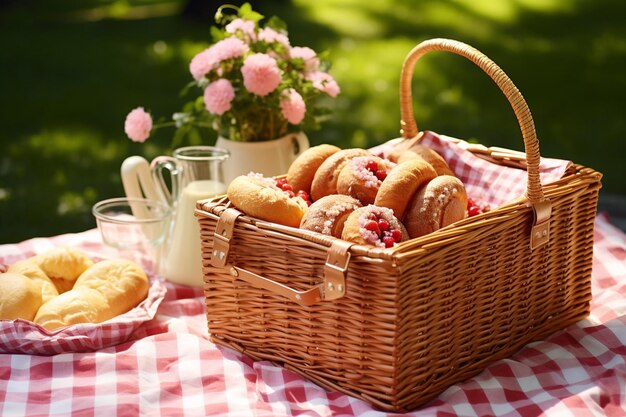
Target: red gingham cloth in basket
[
  {"x": 170, "y": 368},
  {"x": 484, "y": 181}
]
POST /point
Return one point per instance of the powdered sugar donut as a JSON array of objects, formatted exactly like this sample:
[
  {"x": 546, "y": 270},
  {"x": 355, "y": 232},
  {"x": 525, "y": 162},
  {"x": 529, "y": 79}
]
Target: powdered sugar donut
[
  {"x": 328, "y": 214},
  {"x": 439, "y": 203},
  {"x": 373, "y": 225},
  {"x": 302, "y": 170},
  {"x": 362, "y": 176},
  {"x": 259, "y": 197},
  {"x": 325, "y": 178},
  {"x": 402, "y": 183}
]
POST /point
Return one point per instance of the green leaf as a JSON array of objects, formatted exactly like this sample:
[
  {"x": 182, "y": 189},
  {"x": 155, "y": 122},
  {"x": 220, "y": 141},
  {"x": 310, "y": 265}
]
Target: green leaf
[
  {"x": 199, "y": 103},
  {"x": 246, "y": 12},
  {"x": 217, "y": 34},
  {"x": 186, "y": 88},
  {"x": 189, "y": 107},
  {"x": 277, "y": 24}
]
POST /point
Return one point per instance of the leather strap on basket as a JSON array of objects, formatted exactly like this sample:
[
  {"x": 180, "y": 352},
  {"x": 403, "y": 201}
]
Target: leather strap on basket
[
  {"x": 540, "y": 233},
  {"x": 222, "y": 235},
  {"x": 335, "y": 268}
]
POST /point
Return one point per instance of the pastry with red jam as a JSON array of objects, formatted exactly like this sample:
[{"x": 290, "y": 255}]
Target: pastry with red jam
[
  {"x": 375, "y": 226},
  {"x": 362, "y": 176}
]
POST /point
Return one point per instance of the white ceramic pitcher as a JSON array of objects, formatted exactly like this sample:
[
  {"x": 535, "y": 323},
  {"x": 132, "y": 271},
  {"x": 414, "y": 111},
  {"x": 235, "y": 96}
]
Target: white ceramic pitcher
[
  {"x": 270, "y": 158},
  {"x": 195, "y": 173}
]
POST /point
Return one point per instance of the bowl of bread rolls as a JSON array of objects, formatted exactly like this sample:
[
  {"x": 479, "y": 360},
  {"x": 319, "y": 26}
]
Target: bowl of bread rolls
[{"x": 63, "y": 301}]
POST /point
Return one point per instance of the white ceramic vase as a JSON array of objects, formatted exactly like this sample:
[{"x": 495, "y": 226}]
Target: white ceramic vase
[{"x": 269, "y": 158}]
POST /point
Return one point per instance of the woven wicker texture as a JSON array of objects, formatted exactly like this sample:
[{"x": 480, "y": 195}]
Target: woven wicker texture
[{"x": 425, "y": 314}]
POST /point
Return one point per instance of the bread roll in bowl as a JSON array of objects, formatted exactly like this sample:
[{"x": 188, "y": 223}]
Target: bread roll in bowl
[
  {"x": 362, "y": 176},
  {"x": 31, "y": 270},
  {"x": 328, "y": 214},
  {"x": 259, "y": 197},
  {"x": 325, "y": 178},
  {"x": 123, "y": 283},
  {"x": 79, "y": 305},
  {"x": 402, "y": 183},
  {"x": 302, "y": 170},
  {"x": 63, "y": 266},
  {"x": 375, "y": 226},
  {"x": 439, "y": 203},
  {"x": 20, "y": 297},
  {"x": 54, "y": 271}
]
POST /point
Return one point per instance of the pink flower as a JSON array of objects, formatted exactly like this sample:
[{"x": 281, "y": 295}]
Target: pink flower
[
  {"x": 311, "y": 62},
  {"x": 138, "y": 125},
  {"x": 269, "y": 35},
  {"x": 261, "y": 74},
  {"x": 228, "y": 48},
  {"x": 205, "y": 61},
  {"x": 292, "y": 106},
  {"x": 245, "y": 26},
  {"x": 324, "y": 82},
  {"x": 218, "y": 96},
  {"x": 201, "y": 64}
]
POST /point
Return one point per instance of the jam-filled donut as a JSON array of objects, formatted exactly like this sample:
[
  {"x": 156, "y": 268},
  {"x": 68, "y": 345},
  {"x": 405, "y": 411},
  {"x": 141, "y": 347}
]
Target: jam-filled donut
[
  {"x": 325, "y": 178},
  {"x": 328, "y": 214},
  {"x": 259, "y": 197},
  {"x": 376, "y": 226},
  {"x": 362, "y": 176},
  {"x": 402, "y": 183},
  {"x": 302, "y": 170},
  {"x": 439, "y": 203}
]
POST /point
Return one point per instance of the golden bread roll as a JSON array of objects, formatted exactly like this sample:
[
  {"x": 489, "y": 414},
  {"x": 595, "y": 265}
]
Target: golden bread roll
[
  {"x": 123, "y": 283},
  {"x": 63, "y": 265},
  {"x": 55, "y": 271},
  {"x": 20, "y": 297},
  {"x": 31, "y": 270},
  {"x": 325, "y": 178},
  {"x": 428, "y": 155},
  {"x": 400, "y": 147},
  {"x": 328, "y": 214},
  {"x": 259, "y": 197},
  {"x": 301, "y": 171},
  {"x": 79, "y": 305},
  {"x": 402, "y": 183},
  {"x": 439, "y": 203}
]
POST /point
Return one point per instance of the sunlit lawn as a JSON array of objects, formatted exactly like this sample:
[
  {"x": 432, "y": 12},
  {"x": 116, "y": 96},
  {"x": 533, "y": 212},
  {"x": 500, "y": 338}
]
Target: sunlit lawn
[{"x": 71, "y": 70}]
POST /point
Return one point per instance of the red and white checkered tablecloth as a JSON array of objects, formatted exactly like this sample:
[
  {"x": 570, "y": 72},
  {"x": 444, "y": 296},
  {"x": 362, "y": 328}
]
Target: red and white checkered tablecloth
[{"x": 170, "y": 368}]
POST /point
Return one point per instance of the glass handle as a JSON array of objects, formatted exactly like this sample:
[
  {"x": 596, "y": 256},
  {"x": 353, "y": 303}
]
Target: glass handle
[{"x": 170, "y": 164}]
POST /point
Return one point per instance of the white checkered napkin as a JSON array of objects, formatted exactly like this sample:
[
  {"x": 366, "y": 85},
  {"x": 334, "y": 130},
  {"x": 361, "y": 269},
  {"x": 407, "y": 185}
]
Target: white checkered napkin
[
  {"x": 487, "y": 182},
  {"x": 22, "y": 336}
]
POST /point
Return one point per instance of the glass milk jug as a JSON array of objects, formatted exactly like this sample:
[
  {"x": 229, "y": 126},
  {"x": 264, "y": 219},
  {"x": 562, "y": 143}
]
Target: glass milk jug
[{"x": 195, "y": 173}]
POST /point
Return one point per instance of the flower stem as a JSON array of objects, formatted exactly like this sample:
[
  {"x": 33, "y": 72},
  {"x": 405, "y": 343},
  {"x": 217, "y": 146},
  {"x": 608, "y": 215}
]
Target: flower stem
[{"x": 219, "y": 14}]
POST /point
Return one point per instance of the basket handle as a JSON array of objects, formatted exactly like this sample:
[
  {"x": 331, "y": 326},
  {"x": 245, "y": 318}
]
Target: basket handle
[
  {"x": 534, "y": 191},
  {"x": 335, "y": 268}
]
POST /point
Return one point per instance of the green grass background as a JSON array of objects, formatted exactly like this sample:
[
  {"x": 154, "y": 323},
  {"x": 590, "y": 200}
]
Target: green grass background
[{"x": 70, "y": 70}]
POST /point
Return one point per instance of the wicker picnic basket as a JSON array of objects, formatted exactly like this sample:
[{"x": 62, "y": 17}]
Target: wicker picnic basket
[{"x": 396, "y": 327}]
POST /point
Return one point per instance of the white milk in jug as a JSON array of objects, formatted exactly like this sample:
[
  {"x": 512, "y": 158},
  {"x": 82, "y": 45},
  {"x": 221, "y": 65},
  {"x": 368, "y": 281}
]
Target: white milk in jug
[{"x": 184, "y": 260}]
